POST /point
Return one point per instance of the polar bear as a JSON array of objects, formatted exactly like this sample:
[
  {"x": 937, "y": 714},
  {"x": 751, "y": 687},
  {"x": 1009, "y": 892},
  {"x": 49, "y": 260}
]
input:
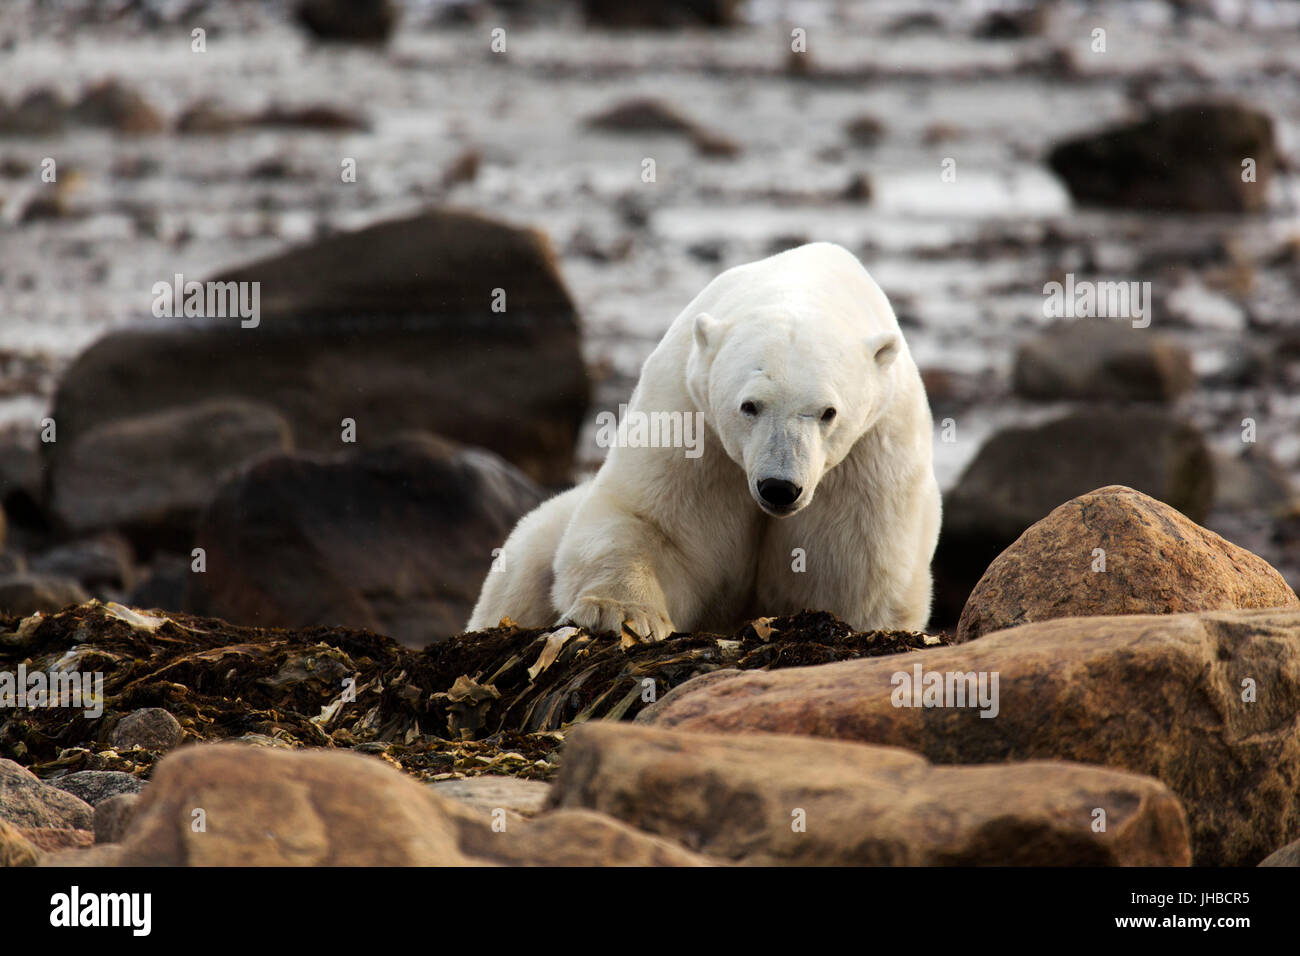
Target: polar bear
[{"x": 813, "y": 486}]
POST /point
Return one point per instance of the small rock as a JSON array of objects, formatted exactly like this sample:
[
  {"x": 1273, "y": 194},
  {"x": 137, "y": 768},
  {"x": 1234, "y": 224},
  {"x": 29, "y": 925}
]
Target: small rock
[
  {"x": 150, "y": 728},
  {"x": 113, "y": 815},
  {"x": 463, "y": 169},
  {"x": 45, "y": 206},
  {"x": 41, "y": 112},
  {"x": 489, "y": 793},
  {"x": 649, "y": 115},
  {"x": 858, "y": 188},
  {"x": 28, "y": 802},
  {"x": 1012, "y": 24},
  {"x": 115, "y": 106},
  {"x": 207, "y": 118},
  {"x": 96, "y": 786},
  {"x": 865, "y": 131},
  {"x": 51, "y": 840},
  {"x": 272, "y": 167},
  {"x": 642, "y": 115},
  {"x": 349, "y": 21},
  {"x": 712, "y": 144},
  {"x": 936, "y": 134},
  {"x": 1289, "y": 855},
  {"x": 660, "y": 15},
  {"x": 15, "y": 849},
  {"x": 575, "y": 837},
  {"x": 319, "y": 117},
  {"x": 913, "y": 23}
]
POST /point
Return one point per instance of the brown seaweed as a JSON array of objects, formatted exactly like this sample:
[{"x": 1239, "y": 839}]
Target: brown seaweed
[{"x": 495, "y": 701}]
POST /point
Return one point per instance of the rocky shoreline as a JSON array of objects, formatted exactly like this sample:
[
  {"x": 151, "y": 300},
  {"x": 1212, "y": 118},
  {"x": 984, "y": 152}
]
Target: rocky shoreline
[
  {"x": 1160, "y": 730},
  {"x": 264, "y": 524}
]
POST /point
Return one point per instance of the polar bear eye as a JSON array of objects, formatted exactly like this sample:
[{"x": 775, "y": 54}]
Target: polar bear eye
[
  {"x": 749, "y": 408},
  {"x": 828, "y": 414}
]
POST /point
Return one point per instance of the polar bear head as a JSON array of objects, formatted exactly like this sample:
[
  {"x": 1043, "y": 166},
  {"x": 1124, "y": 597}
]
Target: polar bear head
[{"x": 789, "y": 392}]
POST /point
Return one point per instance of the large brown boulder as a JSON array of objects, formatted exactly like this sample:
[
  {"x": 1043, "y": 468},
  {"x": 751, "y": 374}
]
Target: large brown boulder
[
  {"x": 774, "y": 799},
  {"x": 1161, "y": 695},
  {"x": 391, "y": 326},
  {"x": 1289, "y": 855},
  {"x": 16, "y": 849},
  {"x": 1020, "y": 474},
  {"x": 397, "y": 539},
  {"x": 1117, "y": 551},
  {"x": 151, "y": 475},
  {"x": 28, "y": 802},
  {"x": 1187, "y": 158},
  {"x": 241, "y": 805}
]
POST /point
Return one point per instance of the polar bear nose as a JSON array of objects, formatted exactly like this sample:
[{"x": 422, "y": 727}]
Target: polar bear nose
[{"x": 778, "y": 492}]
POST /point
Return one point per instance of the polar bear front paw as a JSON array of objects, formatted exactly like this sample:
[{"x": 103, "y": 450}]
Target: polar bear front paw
[{"x": 608, "y": 614}]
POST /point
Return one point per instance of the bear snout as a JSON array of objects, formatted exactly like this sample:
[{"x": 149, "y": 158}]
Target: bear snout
[{"x": 778, "y": 494}]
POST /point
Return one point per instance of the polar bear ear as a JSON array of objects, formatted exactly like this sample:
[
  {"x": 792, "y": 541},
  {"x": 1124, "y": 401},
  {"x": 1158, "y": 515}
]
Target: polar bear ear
[
  {"x": 707, "y": 331},
  {"x": 884, "y": 348}
]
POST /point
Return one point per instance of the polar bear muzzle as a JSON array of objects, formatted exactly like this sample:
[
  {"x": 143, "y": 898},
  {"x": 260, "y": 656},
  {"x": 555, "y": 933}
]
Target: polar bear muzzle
[{"x": 778, "y": 496}]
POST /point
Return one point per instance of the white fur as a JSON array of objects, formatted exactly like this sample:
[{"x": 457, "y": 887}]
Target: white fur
[{"x": 665, "y": 542}]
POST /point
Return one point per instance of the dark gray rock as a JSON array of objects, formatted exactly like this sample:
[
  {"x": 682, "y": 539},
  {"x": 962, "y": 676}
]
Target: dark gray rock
[
  {"x": 1102, "y": 359},
  {"x": 28, "y": 593},
  {"x": 660, "y": 15},
  {"x": 348, "y": 21},
  {"x": 150, "y": 728},
  {"x": 96, "y": 786},
  {"x": 164, "y": 584},
  {"x": 103, "y": 562},
  {"x": 397, "y": 539},
  {"x": 391, "y": 326},
  {"x": 1022, "y": 474},
  {"x": 1186, "y": 158},
  {"x": 151, "y": 475}
]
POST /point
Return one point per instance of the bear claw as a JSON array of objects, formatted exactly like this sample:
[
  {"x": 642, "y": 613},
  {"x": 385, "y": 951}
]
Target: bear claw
[{"x": 603, "y": 614}]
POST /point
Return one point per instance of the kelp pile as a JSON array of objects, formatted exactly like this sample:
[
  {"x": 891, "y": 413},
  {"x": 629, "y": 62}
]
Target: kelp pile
[{"x": 495, "y": 701}]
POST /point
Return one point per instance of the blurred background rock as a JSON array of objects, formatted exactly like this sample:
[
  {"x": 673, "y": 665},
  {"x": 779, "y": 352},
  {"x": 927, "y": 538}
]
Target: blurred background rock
[{"x": 522, "y": 170}]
